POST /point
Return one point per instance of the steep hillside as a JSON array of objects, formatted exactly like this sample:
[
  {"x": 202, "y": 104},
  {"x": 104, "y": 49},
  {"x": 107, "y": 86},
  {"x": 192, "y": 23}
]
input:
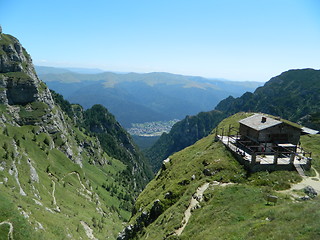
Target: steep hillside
[
  {"x": 202, "y": 192},
  {"x": 114, "y": 140},
  {"x": 58, "y": 177},
  {"x": 137, "y": 98},
  {"x": 294, "y": 95},
  {"x": 118, "y": 143},
  {"x": 182, "y": 134}
]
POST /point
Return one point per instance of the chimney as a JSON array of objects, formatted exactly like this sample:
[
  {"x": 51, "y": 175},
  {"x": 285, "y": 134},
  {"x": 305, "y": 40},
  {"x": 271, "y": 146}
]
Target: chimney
[{"x": 263, "y": 119}]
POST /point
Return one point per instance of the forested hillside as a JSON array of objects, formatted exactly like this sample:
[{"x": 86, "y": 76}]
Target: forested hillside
[
  {"x": 294, "y": 95},
  {"x": 183, "y": 134}
]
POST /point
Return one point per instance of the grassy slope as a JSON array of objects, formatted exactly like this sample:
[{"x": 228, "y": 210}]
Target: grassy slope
[
  {"x": 55, "y": 169},
  {"x": 312, "y": 143},
  {"x": 238, "y": 211}
]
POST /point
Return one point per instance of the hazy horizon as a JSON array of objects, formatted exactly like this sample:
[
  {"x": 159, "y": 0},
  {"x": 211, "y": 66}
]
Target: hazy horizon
[
  {"x": 235, "y": 40},
  {"x": 88, "y": 70}
]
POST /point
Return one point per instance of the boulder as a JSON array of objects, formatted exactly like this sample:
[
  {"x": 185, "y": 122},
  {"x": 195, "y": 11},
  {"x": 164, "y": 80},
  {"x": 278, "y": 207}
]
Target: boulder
[{"x": 310, "y": 191}]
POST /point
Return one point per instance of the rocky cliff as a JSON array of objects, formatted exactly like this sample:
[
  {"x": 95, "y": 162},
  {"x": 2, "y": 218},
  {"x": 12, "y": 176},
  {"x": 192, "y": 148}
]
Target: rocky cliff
[
  {"x": 24, "y": 86},
  {"x": 21, "y": 89}
]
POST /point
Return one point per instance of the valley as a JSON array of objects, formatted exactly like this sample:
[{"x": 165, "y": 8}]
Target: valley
[
  {"x": 151, "y": 129},
  {"x": 136, "y": 98}
]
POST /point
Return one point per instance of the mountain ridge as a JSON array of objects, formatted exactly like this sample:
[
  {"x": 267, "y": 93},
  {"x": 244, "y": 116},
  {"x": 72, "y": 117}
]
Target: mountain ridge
[{"x": 293, "y": 95}]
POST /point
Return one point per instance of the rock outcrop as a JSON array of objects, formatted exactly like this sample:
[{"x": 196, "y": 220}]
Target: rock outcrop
[
  {"x": 26, "y": 97},
  {"x": 145, "y": 219},
  {"x": 19, "y": 83}
]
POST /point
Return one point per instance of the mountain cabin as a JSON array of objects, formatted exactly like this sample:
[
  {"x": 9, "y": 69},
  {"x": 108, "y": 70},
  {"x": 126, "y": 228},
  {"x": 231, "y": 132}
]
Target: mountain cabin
[
  {"x": 266, "y": 143},
  {"x": 266, "y": 134}
]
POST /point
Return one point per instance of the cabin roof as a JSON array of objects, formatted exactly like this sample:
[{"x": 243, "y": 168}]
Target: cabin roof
[
  {"x": 259, "y": 122},
  {"x": 306, "y": 130}
]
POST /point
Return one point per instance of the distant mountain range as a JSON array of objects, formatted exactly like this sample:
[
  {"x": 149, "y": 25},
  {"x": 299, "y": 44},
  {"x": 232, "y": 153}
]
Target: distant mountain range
[{"x": 138, "y": 98}]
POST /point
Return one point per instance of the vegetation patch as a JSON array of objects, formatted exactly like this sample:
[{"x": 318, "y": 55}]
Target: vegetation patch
[{"x": 33, "y": 112}]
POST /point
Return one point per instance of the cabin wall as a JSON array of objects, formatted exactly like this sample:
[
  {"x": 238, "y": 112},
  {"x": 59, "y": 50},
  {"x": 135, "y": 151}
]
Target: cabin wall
[
  {"x": 282, "y": 133},
  {"x": 248, "y": 132}
]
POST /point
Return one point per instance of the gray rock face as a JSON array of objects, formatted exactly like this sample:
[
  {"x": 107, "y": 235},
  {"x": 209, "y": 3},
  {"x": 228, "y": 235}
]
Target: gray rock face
[
  {"x": 3, "y": 92},
  {"x": 27, "y": 98},
  {"x": 145, "y": 219},
  {"x": 21, "y": 93},
  {"x": 19, "y": 83},
  {"x": 14, "y": 58}
]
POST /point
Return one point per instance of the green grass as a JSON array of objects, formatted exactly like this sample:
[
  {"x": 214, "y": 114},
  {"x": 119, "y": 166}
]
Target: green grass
[
  {"x": 241, "y": 212},
  {"x": 33, "y": 112},
  {"x": 278, "y": 180},
  {"x": 9, "y": 212},
  {"x": 311, "y": 143},
  {"x": 231, "y": 123}
]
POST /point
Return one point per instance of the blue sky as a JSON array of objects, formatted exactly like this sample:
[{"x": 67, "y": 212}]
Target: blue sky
[{"x": 233, "y": 39}]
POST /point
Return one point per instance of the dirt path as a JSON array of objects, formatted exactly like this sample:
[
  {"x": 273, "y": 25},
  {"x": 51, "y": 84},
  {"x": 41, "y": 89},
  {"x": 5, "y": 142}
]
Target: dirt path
[
  {"x": 314, "y": 182},
  {"x": 194, "y": 203},
  {"x": 53, "y": 191},
  {"x": 54, "y": 202},
  {"x": 195, "y": 199},
  {"x": 308, "y": 181},
  {"x": 10, "y": 233},
  {"x": 88, "y": 230},
  {"x": 82, "y": 185}
]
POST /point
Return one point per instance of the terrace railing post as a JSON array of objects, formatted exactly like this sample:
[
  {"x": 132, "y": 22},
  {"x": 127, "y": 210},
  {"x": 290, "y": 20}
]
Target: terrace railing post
[
  {"x": 253, "y": 158},
  {"x": 228, "y": 137},
  {"x": 292, "y": 155},
  {"x": 275, "y": 158}
]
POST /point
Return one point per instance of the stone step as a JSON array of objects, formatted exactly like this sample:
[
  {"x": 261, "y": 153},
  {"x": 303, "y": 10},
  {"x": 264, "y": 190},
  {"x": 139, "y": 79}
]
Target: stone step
[{"x": 299, "y": 170}]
